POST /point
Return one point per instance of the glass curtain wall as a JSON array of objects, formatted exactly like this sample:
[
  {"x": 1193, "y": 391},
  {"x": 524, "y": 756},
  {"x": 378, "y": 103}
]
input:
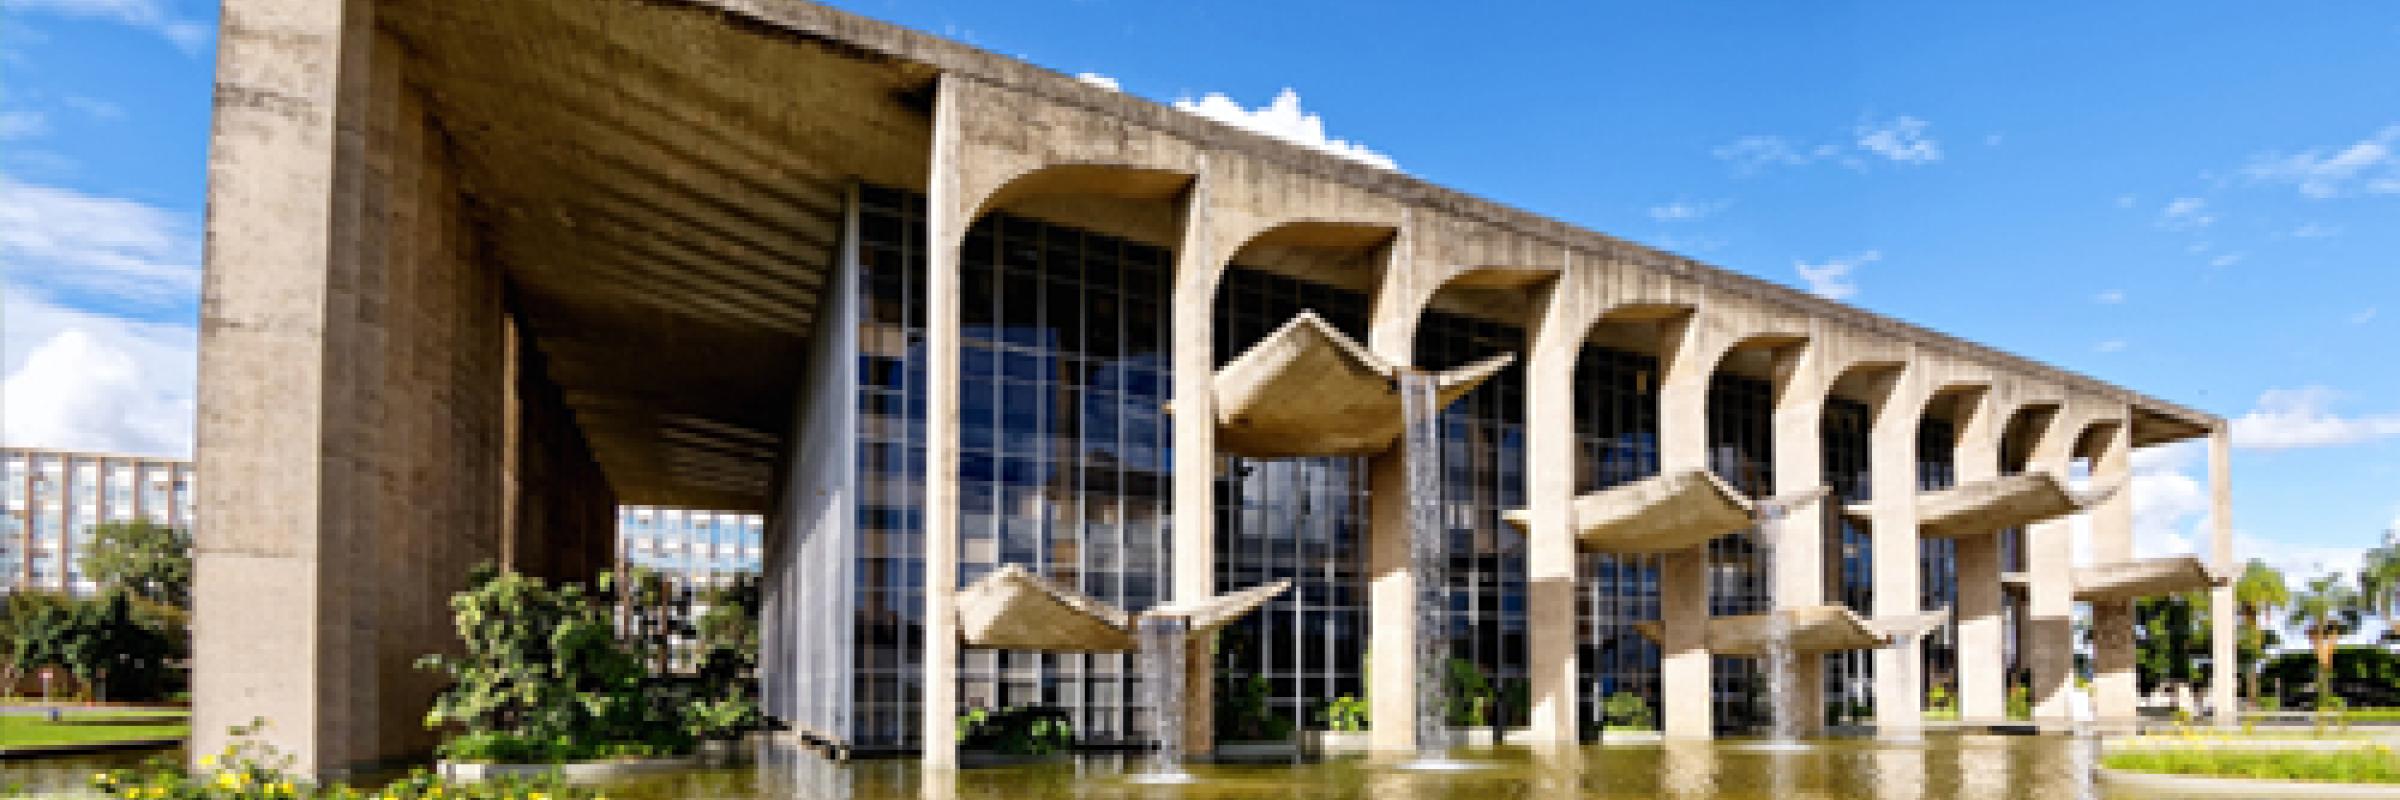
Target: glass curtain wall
[
  {"x": 1616, "y": 433},
  {"x": 1303, "y": 519},
  {"x": 1850, "y": 578},
  {"x": 1063, "y": 452},
  {"x": 1741, "y": 450},
  {"x": 1483, "y": 462},
  {"x": 1937, "y": 562}
]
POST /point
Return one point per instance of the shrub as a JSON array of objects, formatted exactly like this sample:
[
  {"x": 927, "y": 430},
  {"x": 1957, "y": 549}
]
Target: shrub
[
  {"x": 1022, "y": 730},
  {"x": 1243, "y": 713},
  {"x": 1628, "y": 710},
  {"x": 251, "y": 770},
  {"x": 1346, "y": 713},
  {"x": 2375, "y": 764}
]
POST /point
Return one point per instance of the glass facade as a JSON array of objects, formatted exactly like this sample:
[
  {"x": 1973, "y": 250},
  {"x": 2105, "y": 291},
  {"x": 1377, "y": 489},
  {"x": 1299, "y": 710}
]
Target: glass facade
[
  {"x": 1937, "y": 559},
  {"x": 1849, "y": 573},
  {"x": 1616, "y": 431},
  {"x": 1483, "y": 463},
  {"x": 1741, "y": 436},
  {"x": 887, "y": 661},
  {"x": 1303, "y": 519}
]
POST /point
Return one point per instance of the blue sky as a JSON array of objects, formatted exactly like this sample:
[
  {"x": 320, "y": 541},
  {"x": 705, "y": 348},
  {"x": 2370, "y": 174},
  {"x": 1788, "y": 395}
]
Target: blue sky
[{"x": 2197, "y": 200}]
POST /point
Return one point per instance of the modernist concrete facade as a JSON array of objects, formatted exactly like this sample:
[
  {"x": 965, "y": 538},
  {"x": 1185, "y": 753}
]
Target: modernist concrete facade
[{"x": 476, "y": 272}]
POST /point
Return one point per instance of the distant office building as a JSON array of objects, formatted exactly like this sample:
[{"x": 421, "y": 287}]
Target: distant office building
[
  {"x": 692, "y": 547},
  {"x": 53, "y": 499}
]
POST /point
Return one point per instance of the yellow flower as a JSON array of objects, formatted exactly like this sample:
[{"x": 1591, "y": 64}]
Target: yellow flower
[
  {"x": 228, "y": 780},
  {"x": 208, "y": 761},
  {"x": 283, "y": 788}
]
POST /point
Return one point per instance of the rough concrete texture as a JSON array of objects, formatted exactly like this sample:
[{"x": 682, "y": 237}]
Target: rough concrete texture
[
  {"x": 2132, "y": 579},
  {"x": 1813, "y": 630},
  {"x": 1658, "y": 514},
  {"x": 1011, "y": 608},
  {"x": 1309, "y": 390},
  {"x": 1992, "y": 505}
]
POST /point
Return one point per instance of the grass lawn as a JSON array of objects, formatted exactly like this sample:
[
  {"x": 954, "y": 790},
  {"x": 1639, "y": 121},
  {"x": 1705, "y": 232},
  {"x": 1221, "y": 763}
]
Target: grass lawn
[
  {"x": 2363, "y": 765},
  {"x": 86, "y": 727}
]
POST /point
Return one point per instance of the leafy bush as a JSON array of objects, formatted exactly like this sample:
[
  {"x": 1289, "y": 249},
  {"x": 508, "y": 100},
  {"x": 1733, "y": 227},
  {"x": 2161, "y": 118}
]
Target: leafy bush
[
  {"x": 2376, "y": 764},
  {"x": 543, "y": 678},
  {"x": 1470, "y": 694},
  {"x": 1021, "y": 730},
  {"x": 1628, "y": 710},
  {"x": 1346, "y": 713},
  {"x": 251, "y": 770},
  {"x": 2020, "y": 702},
  {"x": 1243, "y": 713},
  {"x": 118, "y": 645}
]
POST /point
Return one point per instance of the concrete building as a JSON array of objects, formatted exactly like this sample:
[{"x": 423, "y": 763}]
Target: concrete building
[
  {"x": 51, "y": 499},
  {"x": 694, "y": 548},
  {"x": 478, "y": 272}
]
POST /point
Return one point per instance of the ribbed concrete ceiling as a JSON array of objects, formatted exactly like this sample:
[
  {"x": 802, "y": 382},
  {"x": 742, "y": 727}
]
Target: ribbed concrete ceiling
[{"x": 663, "y": 187}]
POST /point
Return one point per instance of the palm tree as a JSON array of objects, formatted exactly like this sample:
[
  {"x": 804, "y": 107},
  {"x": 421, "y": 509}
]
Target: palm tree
[
  {"x": 2379, "y": 580},
  {"x": 2326, "y": 610},
  {"x": 2259, "y": 593}
]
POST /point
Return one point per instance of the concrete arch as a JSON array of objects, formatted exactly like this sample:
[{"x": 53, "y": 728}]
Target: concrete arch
[{"x": 1116, "y": 180}]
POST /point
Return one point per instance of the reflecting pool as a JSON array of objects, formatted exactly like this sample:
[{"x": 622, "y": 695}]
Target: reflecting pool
[{"x": 1939, "y": 768}]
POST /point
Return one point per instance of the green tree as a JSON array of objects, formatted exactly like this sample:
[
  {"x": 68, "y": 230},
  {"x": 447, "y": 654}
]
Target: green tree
[
  {"x": 2170, "y": 638},
  {"x": 2258, "y": 594},
  {"x": 152, "y": 561},
  {"x": 542, "y": 676},
  {"x": 2379, "y": 580},
  {"x": 2326, "y": 610},
  {"x": 116, "y": 645}
]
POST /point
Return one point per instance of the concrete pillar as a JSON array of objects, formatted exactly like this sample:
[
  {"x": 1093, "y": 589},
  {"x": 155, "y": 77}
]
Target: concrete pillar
[
  {"x": 2113, "y": 685},
  {"x": 2047, "y": 637},
  {"x": 1193, "y": 321},
  {"x": 2224, "y": 674},
  {"x": 1550, "y": 491},
  {"x": 1982, "y": 637},
  {"x": 1800, "y": 550},
  {"x": 1685, "y": 698},
  {"x": 946, "y": 223},
  {"x": 1392, "y": 594},
  {"x": 1892, "y": 464}
]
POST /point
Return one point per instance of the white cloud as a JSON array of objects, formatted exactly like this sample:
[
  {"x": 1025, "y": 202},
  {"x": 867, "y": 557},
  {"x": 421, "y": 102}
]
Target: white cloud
[
  {"x": 2315, "y": 230},
  {"x": 2125, "y": 201},
  {"x": 2296, "y": 418},
  {"x": 1097, "y": 79},
  {"x": 2227, "y": 260},
  {"x": 2110, "y": 297},
  {"x": 151, "y": 15},
  {"x": 22, "y": 124},
  {"x": 94, "y": 107},
  {"x": 2185, "y": 213},
  {"x": 86, "y": 381},
  {"x": 1686, "y": 210},
  {"x": 2111, "y": 346},
  {"x": 2364, "y": 316},
  {"x": 2367, "y": 166},
  {"x": 1902, "y": 139},
  {"x": 61, "y": 239},
  {"x": 1282, "y": 118},
  {"x": 2171, "y": 517},
  {"x": 1832, "y": 279},
  {"x": 1992, "y": 139},
  {"x": 1752, "y": 153}
]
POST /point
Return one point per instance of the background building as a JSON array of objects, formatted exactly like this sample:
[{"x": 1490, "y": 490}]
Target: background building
[
  {"x": 51, "y": 499},
  {"x": 693, "y": 548}
]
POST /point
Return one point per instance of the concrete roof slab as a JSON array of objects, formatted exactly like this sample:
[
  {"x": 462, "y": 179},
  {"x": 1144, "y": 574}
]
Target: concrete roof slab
[
  {"x": 1812, "y": 629},
  {"x": 2144, "y": 577},
  {"x": 1658, "y": 514},
  {"x": 1309, "y": 390}
]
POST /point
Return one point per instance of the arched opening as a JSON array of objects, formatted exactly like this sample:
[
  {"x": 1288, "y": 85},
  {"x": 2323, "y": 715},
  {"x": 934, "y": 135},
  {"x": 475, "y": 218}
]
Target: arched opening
[
  {"x": 1856, "y": 398},
  {"x": 1949, "y": 413},
  {"x": 1617, "y": 375}
]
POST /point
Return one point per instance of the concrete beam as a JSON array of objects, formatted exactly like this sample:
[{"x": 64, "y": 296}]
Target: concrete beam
[{"x": 2223, "y": 672}]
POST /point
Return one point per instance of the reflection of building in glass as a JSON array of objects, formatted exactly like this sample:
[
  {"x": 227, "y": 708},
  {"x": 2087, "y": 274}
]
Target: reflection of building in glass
[{"x": 50, "y": 500}]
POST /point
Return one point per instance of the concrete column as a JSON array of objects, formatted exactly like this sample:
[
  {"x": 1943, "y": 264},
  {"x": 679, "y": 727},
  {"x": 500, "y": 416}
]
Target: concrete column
[
  {"x": 2113, "y": 686},
  {"x": 1550, "y": 490},
  {"x": 1193, "y": 320},
  {"x": 1892, "y": 464},
  {"x": 1800, "y": 550},
  {"x": 2047, "y": 638},
  {"x": 1685, "y": 694},
  {"x": 1982, "y": 638},
  {"x": 1392, "y": 595},
  {"x": 2224, "y": 674},
  {"x": 946, "y": 222}
]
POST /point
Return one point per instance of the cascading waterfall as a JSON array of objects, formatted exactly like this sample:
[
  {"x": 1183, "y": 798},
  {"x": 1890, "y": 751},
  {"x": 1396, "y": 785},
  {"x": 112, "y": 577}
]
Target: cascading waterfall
[
  {"x": 1784, "y": 726},
  {"x": 1429, "y": 562},
  {"x": 1162, "y": 641}
]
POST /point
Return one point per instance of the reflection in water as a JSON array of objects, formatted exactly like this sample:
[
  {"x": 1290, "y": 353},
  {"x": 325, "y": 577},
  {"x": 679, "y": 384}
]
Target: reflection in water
[{"x": 1945, "y": 767}]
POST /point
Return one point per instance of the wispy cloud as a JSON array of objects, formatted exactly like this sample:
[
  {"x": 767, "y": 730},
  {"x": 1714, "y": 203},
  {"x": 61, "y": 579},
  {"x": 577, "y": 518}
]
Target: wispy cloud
[
  {"x": 1833, "y": 278},
  {"x": 1282, "y": 118},
  {"x": 60, "y": 239},
  {"x": 1902, "y": 139},
  {"x": 189, "y": 35},
  {"x": 2227, "y": 260},
  {"x": 2185, "y": 214},
  {"x": 2287, "y": 419},
  {"x": 2110, "y": 297},
  {"x": 86, "y": 381},
  {"x": 2367, "y": 166},
  {"x": 2315, "y": 230},
  {"x": 20, "y": 124},
  {"x": 2364, "y": 316},
  {"x": 1687, "y": 210},
  {"x": 2170, "y": 517},
  {"x": 2111, "y": 346}
]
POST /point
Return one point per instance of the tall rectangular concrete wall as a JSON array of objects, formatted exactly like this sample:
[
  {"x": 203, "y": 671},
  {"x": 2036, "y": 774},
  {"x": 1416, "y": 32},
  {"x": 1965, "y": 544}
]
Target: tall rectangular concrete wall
[{"x": 560, "y": 512}]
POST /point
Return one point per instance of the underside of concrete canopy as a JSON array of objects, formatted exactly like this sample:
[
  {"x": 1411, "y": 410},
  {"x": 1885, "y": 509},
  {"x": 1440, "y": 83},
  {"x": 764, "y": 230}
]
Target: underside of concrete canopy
[
  {"x": 2144, "y": 577},
  {"x": 1658, "y": 514},
  {"x": 1014, "y": 609},
  {"x": 1812, "y": 629},
  {"x": 1895, "y": 627},
  {"x": 1985, "y": 507},
  {"x": 1309, "y": 390}
]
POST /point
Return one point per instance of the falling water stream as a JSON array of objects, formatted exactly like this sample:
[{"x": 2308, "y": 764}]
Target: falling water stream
[
  {"x": 1784, "y": 725},
  {"x": 1162, "y": 643},
  {"x": 1428, "y": 561}
]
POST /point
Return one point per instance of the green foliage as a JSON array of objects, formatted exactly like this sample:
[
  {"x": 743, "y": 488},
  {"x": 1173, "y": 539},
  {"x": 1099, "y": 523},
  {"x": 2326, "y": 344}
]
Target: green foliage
[
  {"x": 1470, "y": 695},
  {"x": 2364, "y": 675},
  {"x": 543, "y": 678},
  {"x": 1243, "y": 713},
  {"x": 2259, "y": 593},
  {"x": 1939, "y": 698},
  {"x": 1347, "y": 713},
  {"x": 2020, "y": 702},
  {"x": 1021, "y": 730},
  {"x": 117, "y": 645},
  {"x": 152, "y": 561},
  {"x": 250, "y": 770},
  {"x": 2171, "y": 640},
  {"x": 1628, "y": 710},
  {"x": 725, "y": 678},
  {"x": 2375, "y": 764},
  {"x": 2327, "y": 610}
]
